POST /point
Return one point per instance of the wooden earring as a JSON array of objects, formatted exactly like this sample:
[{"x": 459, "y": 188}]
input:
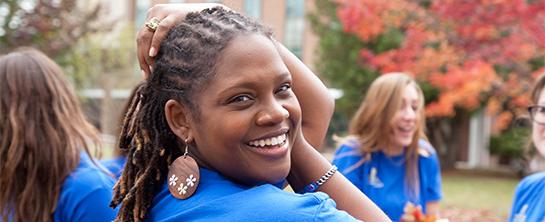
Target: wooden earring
[{"x": 183, "y": 176}]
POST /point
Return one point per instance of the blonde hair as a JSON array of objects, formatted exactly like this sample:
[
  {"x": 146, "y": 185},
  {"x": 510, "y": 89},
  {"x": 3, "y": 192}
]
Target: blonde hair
[{"x": 372, "y": 123}]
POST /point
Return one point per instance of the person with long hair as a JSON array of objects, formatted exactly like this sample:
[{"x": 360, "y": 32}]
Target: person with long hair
[
  {"x": 218, "y": 128},
  {"x": 529, "y": 199},
  {"x": 386, "y": 154},
  {"x": 46, "y": 171}
]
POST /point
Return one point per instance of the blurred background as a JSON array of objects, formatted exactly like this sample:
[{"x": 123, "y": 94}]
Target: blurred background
[{"x": 475, "y": 61}]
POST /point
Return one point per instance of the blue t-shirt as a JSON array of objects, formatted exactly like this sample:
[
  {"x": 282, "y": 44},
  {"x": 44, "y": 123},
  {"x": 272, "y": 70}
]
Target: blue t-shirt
[
  {"x": 115, "y": 165},
  {"x": 86, "y": 194},
  {"x": 219, "y": 199},
  {"x": 529, "y": 201},
  {"x": 382, "y": 177}
]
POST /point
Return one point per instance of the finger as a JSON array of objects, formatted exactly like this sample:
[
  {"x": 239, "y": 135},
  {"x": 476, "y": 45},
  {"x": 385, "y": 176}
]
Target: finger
[
  {"x": 143, "y": 40},
  {"x": 160, "y": 34}
]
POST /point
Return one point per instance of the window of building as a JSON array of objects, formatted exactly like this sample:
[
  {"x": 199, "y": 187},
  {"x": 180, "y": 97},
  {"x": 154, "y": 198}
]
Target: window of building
[
  {"x": 252, "y": 8},
  {"x": 294, "y": 27}
]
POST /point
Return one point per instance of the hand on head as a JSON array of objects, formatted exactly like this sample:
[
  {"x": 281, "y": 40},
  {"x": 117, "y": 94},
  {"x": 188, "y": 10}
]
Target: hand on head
[{"x": 168, "y": 15}]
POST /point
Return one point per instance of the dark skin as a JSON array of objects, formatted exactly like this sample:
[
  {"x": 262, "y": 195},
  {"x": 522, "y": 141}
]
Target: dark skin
[
  {"x": 307, "y": 164},
  {"x": 249, "y": 100}
]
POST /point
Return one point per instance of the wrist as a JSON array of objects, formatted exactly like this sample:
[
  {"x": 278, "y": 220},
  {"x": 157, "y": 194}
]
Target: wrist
[{"x": 313, "y": 186}]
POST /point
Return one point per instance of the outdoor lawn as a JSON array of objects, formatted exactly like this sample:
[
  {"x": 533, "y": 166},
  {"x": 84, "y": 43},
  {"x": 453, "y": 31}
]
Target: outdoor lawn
[{"x": 477, "y": 196}]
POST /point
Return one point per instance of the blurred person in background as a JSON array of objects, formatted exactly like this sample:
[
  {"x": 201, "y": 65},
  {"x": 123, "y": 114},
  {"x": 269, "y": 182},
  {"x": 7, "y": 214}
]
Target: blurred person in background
[
  {"x": 386, "y": 154},
  {"x": 46, "y": 170},
  {"x": 529, "y": 200}
]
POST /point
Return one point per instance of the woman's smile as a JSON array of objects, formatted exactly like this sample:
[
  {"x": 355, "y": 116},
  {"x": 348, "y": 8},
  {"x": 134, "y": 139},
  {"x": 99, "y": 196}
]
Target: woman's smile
[{"x": 271, "y": 146}]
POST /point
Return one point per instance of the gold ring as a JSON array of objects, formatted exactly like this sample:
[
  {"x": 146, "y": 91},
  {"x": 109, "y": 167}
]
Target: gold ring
[{"x": 153, "y": 23}]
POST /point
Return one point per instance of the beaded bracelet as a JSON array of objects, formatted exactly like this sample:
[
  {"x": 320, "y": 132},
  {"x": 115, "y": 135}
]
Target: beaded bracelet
[{"x": 315, "y": 185}]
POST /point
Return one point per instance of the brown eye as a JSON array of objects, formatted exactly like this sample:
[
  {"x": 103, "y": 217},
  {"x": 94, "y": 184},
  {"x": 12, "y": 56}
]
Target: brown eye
[
  {"x": 240, "y": 99},
  {"x": 284, "y": 88}
]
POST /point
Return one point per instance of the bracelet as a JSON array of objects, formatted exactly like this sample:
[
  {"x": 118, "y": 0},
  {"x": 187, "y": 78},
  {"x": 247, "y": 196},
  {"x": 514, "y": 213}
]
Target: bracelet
[{"x": 315, "y": 185}]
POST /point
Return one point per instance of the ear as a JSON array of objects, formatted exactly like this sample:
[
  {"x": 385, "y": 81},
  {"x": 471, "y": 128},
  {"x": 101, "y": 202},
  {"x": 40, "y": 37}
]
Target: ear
[{"x": 179, "y": 120}]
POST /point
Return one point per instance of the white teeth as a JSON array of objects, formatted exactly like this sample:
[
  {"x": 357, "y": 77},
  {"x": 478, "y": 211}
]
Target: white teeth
[
  {"x": 273, "y": 141},
  {"x": 405, "y": 128}
]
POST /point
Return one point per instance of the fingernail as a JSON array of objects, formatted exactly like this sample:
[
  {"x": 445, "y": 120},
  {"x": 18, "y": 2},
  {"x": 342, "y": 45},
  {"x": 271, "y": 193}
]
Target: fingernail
[
  {"x": 143, "y": 73},
  {"x": 152, "y": 52}
]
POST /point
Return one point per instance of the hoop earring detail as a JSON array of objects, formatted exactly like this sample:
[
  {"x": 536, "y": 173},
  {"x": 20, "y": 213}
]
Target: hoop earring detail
[{"x": 183, "y": 176}]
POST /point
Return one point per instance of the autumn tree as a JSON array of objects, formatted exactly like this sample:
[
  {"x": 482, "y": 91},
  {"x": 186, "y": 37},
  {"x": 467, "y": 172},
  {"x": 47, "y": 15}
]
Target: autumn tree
[{"x": 52, "y": 26}]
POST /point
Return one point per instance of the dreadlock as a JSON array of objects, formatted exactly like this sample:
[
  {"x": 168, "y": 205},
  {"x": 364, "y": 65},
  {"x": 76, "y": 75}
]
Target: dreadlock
[{"x": 184, "y": 64}]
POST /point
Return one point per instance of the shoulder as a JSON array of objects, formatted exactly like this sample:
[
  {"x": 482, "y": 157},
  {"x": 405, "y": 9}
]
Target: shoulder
[
  {"x": 114, "y": 163},
  {"x": 348, "y": 158},
  {"x": 314, "y": 206},
  {"x": 86, "y": 194},
  {"x": 425, "y": 149},
  {"x": 349, "y": 147},
  {"x": 87, "y": 178},
  {"x": 261, "y": 203},
  {"x": 536, "y": 180},
  {"x": 529, "y": 198}
]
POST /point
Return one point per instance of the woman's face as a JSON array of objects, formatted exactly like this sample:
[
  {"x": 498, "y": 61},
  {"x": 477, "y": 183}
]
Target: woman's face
[
  {"x": 405, "y": 121},
  {"x": 249, "y": 113},
  {"x": 538, "y": 130}
]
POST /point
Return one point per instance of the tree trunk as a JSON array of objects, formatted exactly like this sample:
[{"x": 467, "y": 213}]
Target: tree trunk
[{"x": 450, "y": 138}]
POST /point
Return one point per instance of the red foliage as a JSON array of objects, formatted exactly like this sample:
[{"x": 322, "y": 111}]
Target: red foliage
[{"x": 455, "y": 45}]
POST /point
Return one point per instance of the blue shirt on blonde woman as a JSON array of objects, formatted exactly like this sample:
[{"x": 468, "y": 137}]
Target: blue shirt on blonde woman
[
  {"x": 220, "y": 199},
  {"x": 86, "y": 194},
  {"x": 529, "y": 200},
  {"x": 381, "y": 177}
]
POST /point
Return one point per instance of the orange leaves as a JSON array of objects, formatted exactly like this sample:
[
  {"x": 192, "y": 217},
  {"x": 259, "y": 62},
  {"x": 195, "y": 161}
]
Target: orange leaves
[
  {"x": 457, "y": 46},
  {"x": 360, "y": 18},
  {"x": 370, "y": 18},
  {"x": 461, "y": 87},
  {"x": 502, "y": 121}
]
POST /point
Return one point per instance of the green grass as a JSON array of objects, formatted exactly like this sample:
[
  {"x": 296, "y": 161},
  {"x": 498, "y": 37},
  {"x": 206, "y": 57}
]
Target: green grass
[{"x": 477, "y": 190}]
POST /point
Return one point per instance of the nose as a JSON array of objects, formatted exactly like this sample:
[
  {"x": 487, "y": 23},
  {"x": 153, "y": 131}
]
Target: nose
[
  {"x": 409, "y": 113},
  {"x": 272, "y": 113}
]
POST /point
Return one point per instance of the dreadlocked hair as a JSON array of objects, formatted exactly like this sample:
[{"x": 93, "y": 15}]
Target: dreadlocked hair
[{"x": 184, "y": 65}]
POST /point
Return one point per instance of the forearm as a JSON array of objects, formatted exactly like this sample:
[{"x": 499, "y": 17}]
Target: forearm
[
  {"x": 317, "y": 105},
  {"x": 308, "y": 165}
]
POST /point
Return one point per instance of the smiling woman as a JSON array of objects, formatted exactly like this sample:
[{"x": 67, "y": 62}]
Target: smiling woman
[
  {"x": 387, "y": 156},
  {"x": 248, "y": 103},
  {"x": 217, "y": 129}
]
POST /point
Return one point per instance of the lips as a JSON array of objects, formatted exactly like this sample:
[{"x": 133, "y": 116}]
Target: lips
[{"x": 405, "y": 129}]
